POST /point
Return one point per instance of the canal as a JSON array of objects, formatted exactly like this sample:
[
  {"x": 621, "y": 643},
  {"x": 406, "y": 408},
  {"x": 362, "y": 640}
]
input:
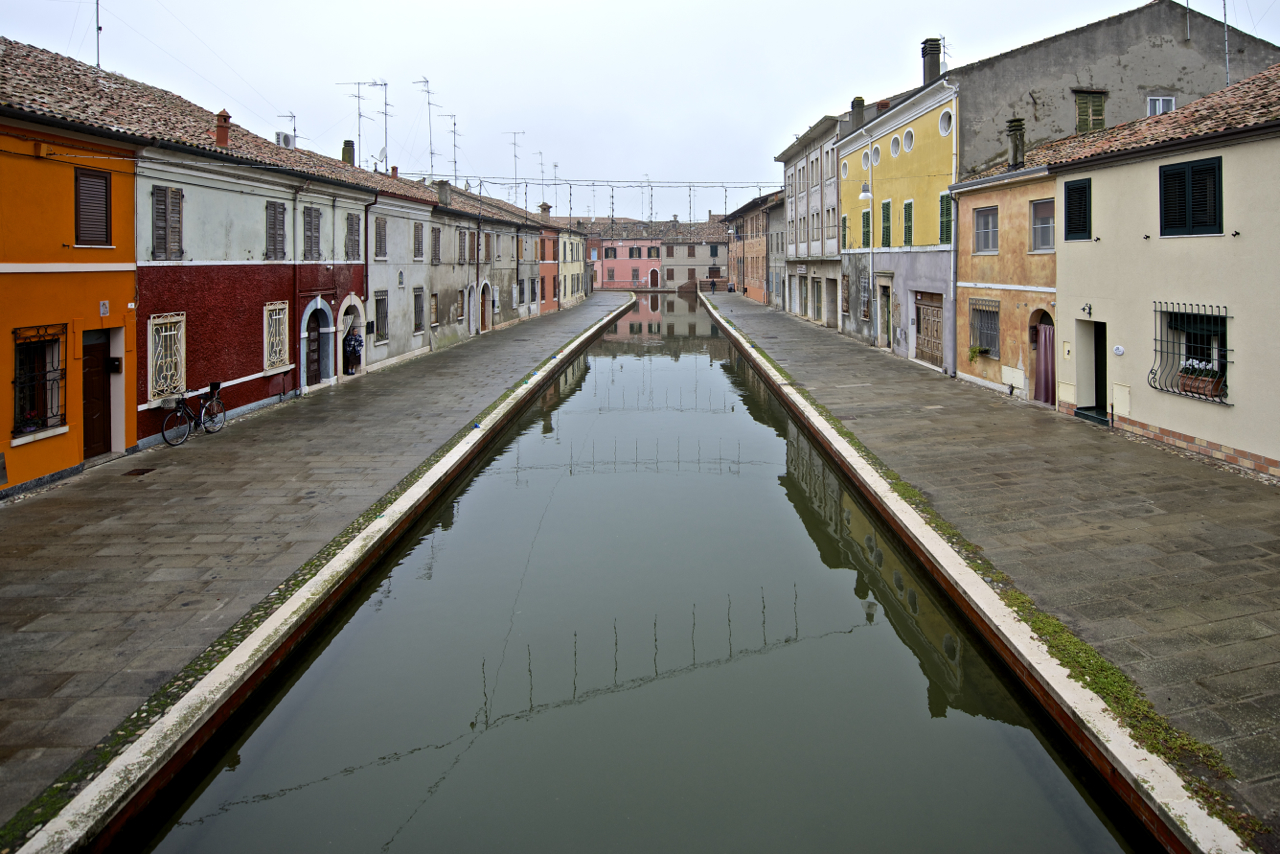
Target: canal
[{"x": 654, "y": 618}]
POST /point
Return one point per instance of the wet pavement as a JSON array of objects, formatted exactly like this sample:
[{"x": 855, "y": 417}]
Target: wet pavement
[
  {"x": 653, "y": 619},
  {"x": 110, "y": 583},
  {"x": 1167, "y": 565}
]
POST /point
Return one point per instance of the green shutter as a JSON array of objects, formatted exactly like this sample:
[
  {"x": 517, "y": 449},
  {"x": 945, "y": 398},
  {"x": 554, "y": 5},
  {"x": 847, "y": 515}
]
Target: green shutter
[
  {"x": 906, "y": 222},
  {"x": 885, "y": 230},
  {"x": 844, "y": 231},
  {"x": 1079, "y": 225},
  {"x": 944, "y": 219},
  {"x": 866, "y": 229}
]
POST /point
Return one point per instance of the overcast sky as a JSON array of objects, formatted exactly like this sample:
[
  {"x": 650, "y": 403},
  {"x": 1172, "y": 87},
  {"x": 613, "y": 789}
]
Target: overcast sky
[{"x": 612, "y": 92}]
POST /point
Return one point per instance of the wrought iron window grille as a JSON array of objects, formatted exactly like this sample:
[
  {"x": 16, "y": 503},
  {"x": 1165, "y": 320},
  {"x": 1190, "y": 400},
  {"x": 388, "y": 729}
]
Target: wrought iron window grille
[
  {"x": 277, "y": 335},
  {"x": 984, "y": 326},
  {"x": 39, "y": 378},
  {"x": 1192, "y": 358},
  {"x": 168, "y": 355}
]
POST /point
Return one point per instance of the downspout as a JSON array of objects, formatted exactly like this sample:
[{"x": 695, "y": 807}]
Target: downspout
[
  {"x": 364, "y": 299},
  {"x": 955, "y": 256},
  {"x": 299, "y": 366}
]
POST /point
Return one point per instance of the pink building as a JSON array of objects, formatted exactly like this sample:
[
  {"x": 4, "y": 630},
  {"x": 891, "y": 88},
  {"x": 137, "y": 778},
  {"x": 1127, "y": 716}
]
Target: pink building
[{"x": 630, "y": 263}]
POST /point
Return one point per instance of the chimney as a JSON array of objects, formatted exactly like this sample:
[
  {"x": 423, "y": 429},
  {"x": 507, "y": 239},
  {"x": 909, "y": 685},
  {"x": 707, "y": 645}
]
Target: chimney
[
  {"x": 1017, "y": 142},
  {"x": 931, "y": 50},
  {"x": 545, "y": 208},
  {"x": 708, "y": 216},
  {"x": 222, "y": 131},
  {"x": 395, "y": 171},
  {"x": 442, "y": 191},
  {"x": 859, "y": 109},
  {"x": 675, "y": 217},
  {"x": 349, "y": 151},
  {"x": 882, "y": 107}
]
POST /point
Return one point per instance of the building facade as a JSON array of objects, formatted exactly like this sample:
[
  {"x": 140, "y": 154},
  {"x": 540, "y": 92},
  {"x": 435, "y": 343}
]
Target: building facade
[
  {"x": 812, "y": 202},
  {"x": 749, "y": 247}
]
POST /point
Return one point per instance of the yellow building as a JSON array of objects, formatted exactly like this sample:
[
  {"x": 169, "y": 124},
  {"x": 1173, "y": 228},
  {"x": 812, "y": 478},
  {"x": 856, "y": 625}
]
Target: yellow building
[
  {"x": 896, "y": 224},
  {"x": 572, "y": 281}
]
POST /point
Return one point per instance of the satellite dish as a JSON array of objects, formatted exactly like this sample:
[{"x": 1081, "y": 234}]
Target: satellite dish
[{"x": 382, "y": 155}]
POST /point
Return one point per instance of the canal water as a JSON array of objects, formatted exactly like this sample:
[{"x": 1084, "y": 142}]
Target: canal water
[{"x": 654, "y": 619}]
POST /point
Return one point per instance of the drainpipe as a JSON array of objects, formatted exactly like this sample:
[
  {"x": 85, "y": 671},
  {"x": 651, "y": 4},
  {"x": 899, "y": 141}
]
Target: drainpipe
[
  {"x": 299, "y": 366},
  {"x": 955, "y": 256},
  {"x": 365, "y": 299}
]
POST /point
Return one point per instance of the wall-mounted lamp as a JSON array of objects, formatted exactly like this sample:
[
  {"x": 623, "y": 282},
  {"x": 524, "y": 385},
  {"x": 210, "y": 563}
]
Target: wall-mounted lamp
[
  {"x": 1235, "y": 234},
  {"x": 1146, "y": 237},
  {"x": 1097, "y": 240},
  {"x": 865, "y": 195},
  {"x": 1087, "y": 308}
]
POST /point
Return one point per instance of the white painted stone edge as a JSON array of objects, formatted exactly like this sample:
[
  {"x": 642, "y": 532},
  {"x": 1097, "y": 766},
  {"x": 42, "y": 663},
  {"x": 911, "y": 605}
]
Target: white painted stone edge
[
  {"x": 89, "y": 811},
  {"x": 1152, "y": 777}
]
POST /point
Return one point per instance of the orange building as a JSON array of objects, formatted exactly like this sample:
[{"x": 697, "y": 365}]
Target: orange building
[{"x": 67, "y": 278}]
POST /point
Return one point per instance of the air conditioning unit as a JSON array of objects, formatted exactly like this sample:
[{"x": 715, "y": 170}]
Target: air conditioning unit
[{"x": 284, "y": 140}]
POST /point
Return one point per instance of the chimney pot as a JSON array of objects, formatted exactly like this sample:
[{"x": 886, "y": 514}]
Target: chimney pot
[
  {"x": 349, "y": 151},
  {"x": 931, "y": 51},
  {"x": 675, "y": 217},
  {"x": 1016, "y": 132},
  {"x": 545, "y": 208},
  {"x": 395, "y": 171},
  {"x": 859, "y": 109},
  {"x": 442, "y": 191},
  {"x": 222, "y": 130}
]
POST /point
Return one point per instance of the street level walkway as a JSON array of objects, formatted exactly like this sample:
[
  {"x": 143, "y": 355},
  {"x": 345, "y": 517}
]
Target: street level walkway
[
  {"x": 1167, "y": 565},
  {"x": 110, "y": 584}
]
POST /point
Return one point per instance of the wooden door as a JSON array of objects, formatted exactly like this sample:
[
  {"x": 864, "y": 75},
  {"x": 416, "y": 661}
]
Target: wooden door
[
  {"x": 653, "y": 278},
  {"x": 313, "y": 349},
  {"x": 97, "y": 400},
  {"x": 929, "y": 328}
]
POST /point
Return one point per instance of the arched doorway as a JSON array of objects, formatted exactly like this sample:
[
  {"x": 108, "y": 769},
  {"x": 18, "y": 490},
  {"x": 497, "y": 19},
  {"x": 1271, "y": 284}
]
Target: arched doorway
[
  {"x": 471, "y": 310},
  {"x": 313, "y": 348},
  {"x": 351, "y": 332},
  {"x": 316, "y": 350},
  {"x": 653, "y": 278},
  {"x": 1043, "y": 340},
  {"x": 486, "y": 308}
]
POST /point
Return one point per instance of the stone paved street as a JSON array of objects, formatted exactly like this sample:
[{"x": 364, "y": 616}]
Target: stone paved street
[
  {"x": 109, "y": 584},
  {"x": 1170, "y": 567}
]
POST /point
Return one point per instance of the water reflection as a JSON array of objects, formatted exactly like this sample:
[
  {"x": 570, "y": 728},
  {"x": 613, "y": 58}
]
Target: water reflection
[{"x": 595, "y": 644}]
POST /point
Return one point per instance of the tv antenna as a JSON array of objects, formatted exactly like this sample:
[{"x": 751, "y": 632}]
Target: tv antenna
[
  {"x": 293, "y": 121},
  {"x": 555, "y": 183},
  {"x": 542, "y": 172},
  {"x": 97, "y": 30},
  {"x": 515, "y": 165},
  {"x": 360, "y": 117},
  {"x": 386, "y": 114},
  {"x": 431, "y": 147},
  {"x": 454, "y": 118}
]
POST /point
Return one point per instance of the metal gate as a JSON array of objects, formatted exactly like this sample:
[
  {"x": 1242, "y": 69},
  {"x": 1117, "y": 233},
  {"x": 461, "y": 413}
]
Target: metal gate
[{"x": 929, "y": 328}]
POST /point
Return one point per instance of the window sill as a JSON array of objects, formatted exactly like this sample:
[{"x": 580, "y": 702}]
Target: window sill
[
  {"x": 419, "y": 260},
  {"x": 1182, "y": 236},
  {"x": 271, "y": 372},
  {"x": 384, "y": 342},
  {"x": 90, "y": 246},
  {"x": 1043, "y": 252},
  {"x": 997, "y": 252},
  {"x": 435, "y": 325},
  {"x": 28, "y": 438},
  {"x": 379, "y": 257}
]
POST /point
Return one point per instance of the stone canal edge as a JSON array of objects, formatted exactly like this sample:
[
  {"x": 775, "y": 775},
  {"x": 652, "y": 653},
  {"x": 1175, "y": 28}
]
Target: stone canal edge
[
  {"x": 146, "y": 765},
  {"x": 1148, "y": 784}
]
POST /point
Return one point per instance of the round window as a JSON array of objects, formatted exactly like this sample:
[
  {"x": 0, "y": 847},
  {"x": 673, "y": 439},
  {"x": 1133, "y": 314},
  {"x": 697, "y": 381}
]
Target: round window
[
  {"x": 875, "y": 156},
  {"x": 866, "y": 160},
  {"x": 895, "y": 146},
  {"x": 908, "y": 140},
  {"x": 844, "y": 168},
  {"x": 944, "y": 122}
]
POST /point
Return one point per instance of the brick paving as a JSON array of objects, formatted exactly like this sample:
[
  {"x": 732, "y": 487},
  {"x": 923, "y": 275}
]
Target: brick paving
[
  {"x": 111, "y": 584},
  {"x": 1168, "y": 566}
]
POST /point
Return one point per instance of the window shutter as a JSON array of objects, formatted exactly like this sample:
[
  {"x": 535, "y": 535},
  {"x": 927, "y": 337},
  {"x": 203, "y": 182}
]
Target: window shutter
[
  {"x": 1173, "y": 199},
  {"x": 380, "y": 237},
  {"x": 1097, "y": 104},
  {"x": 173, "y": 247},
  {"x": 270, "y": 252},
  {"x": 307, "y": 227},
  {"x": 93, "y": 204},
  {"x": 944, "y": 219},
  {"x": 462, "y": 246},
  {"x": 488, "y": 246},
  {"x": 866, "y": 229},
  {"x": 907, "y": 222},
  {"x": 352, "y": 249},
  {"x": 1079, "y": 224},
  {"x": 159, "y": 223},
  {"x": 1205, "y": 198},
  {"x": 885, "y": 231}
]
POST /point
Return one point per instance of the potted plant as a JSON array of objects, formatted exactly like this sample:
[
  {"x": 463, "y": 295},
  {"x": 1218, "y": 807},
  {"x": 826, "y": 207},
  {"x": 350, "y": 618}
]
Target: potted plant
[
  {"x": 1200, "y": 378},
  {"x": 975, "y": 351},
  {"x": 29, "y": 422}
]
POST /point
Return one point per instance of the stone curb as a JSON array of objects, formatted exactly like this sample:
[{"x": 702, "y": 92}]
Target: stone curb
[
  {"x": 230, "y": 682},
  {"x": 1153, "y": 786}
]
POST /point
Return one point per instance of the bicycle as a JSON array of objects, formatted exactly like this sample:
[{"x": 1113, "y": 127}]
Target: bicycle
[{"x": 179, "y": 422}]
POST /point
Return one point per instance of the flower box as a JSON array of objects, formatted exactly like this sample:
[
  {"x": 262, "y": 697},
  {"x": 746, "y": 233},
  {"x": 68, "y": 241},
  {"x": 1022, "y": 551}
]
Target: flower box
[{"x": 1202, "y": 386}]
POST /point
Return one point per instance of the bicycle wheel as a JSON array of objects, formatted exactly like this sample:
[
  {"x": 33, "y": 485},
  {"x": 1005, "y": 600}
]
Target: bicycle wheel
[
  {"x": 213, "y": 415},
  {"x": 177, "y": 426}
]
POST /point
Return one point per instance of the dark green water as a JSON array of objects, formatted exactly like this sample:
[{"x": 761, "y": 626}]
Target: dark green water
[{"x": 654, "y": 620}]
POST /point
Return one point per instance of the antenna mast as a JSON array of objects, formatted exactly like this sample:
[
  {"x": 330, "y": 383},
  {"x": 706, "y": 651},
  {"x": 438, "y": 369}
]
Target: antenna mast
[
  {"x": 97, "y": 27},
  {"x": 555, "y": 183},
  {"x": 454, "y": 118},
  {"x": 515, "y": 166},
  {"x": 360, "y": 117},
  {"x": 542, "y": 171},
  {"x": 386, "y": 141},
  {"x": 431, "y": 146},
  {"x": 293, "y": 121}
]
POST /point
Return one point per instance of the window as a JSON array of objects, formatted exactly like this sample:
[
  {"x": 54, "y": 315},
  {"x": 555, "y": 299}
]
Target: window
[
  {"x": 352, "y": 249},
  {"x": 1090, "y": 111},
  {"x": 520, "y": 292},
  {"x": 311, "y": 235},
  {"x": 39, "y": 378},
  {"x": 488, "y": 246},
  {"x": 886, "y": 209},
  {"x": 419, "y": 319},
  {"x": 908, "y": 140},
  {"x": 635, "y": 274},
  {"x": 671, "y": 251},
  {"x": 713, "y": 272},
  {"x": 1191, "y": 353},
  {"x": 435, "y": 246},
  {"x": 275, "y": 335},
  {"x": 462, "y": 306},
  {"x": 945, "y": 121},
  {"x": 984, "y": 326},
  {"x": 93, "y": 208},
  {"x": 866, "y": 229},
  {"x": 462, "y": 245},
  {"x": 1156, "y": 106},
  {"x": 907, "y": 222},
  {"x": 419, "y": 242},
  {"x": 671, "y": 274},
  {"x": 275, "y": 232},
  {"x": 473, "y": 245},
  {"x": 542, "y": 290},
  {"x": 594, "y": 254},
  {"x": 844, "y": 169},
  {"x": 653, "y": 252},
  {"x": 380, "y": 237},
  {"x": 380, "y": 330},
  {"x": 693, "y": 274},
  {"x": 167, "y": 351},
  {"x": 635, "y": 328},
  {"x": 435, "y": 309},
  {"x": 692, "y": 250},
  {"x": 1079, "y": 204},
  {"x": 844, "y": 231},
  {"x": 609, "y": 275},
  {"x": 1191, "y": 198},
  {"x": 864, "y": 295},
  {"x": 633, "y": 252},
  {"x": 986, "y": 230},
  {"x": 166, "y": 224},
  {"x": 895, "y": 147},
  {"x": 715, "y": 251},
  {"x": 610, "y": 252},
  {"x": 875, "y": 156},
  {"x": 1042, "y": 226}
]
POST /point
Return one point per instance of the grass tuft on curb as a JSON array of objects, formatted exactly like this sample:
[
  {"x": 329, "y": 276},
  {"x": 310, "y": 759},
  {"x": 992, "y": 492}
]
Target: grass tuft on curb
[{"x": 1196, "y": 762}]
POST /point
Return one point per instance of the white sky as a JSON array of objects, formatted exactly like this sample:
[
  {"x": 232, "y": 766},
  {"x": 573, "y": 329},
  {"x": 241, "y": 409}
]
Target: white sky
[{"x": 677, "y": 91}]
